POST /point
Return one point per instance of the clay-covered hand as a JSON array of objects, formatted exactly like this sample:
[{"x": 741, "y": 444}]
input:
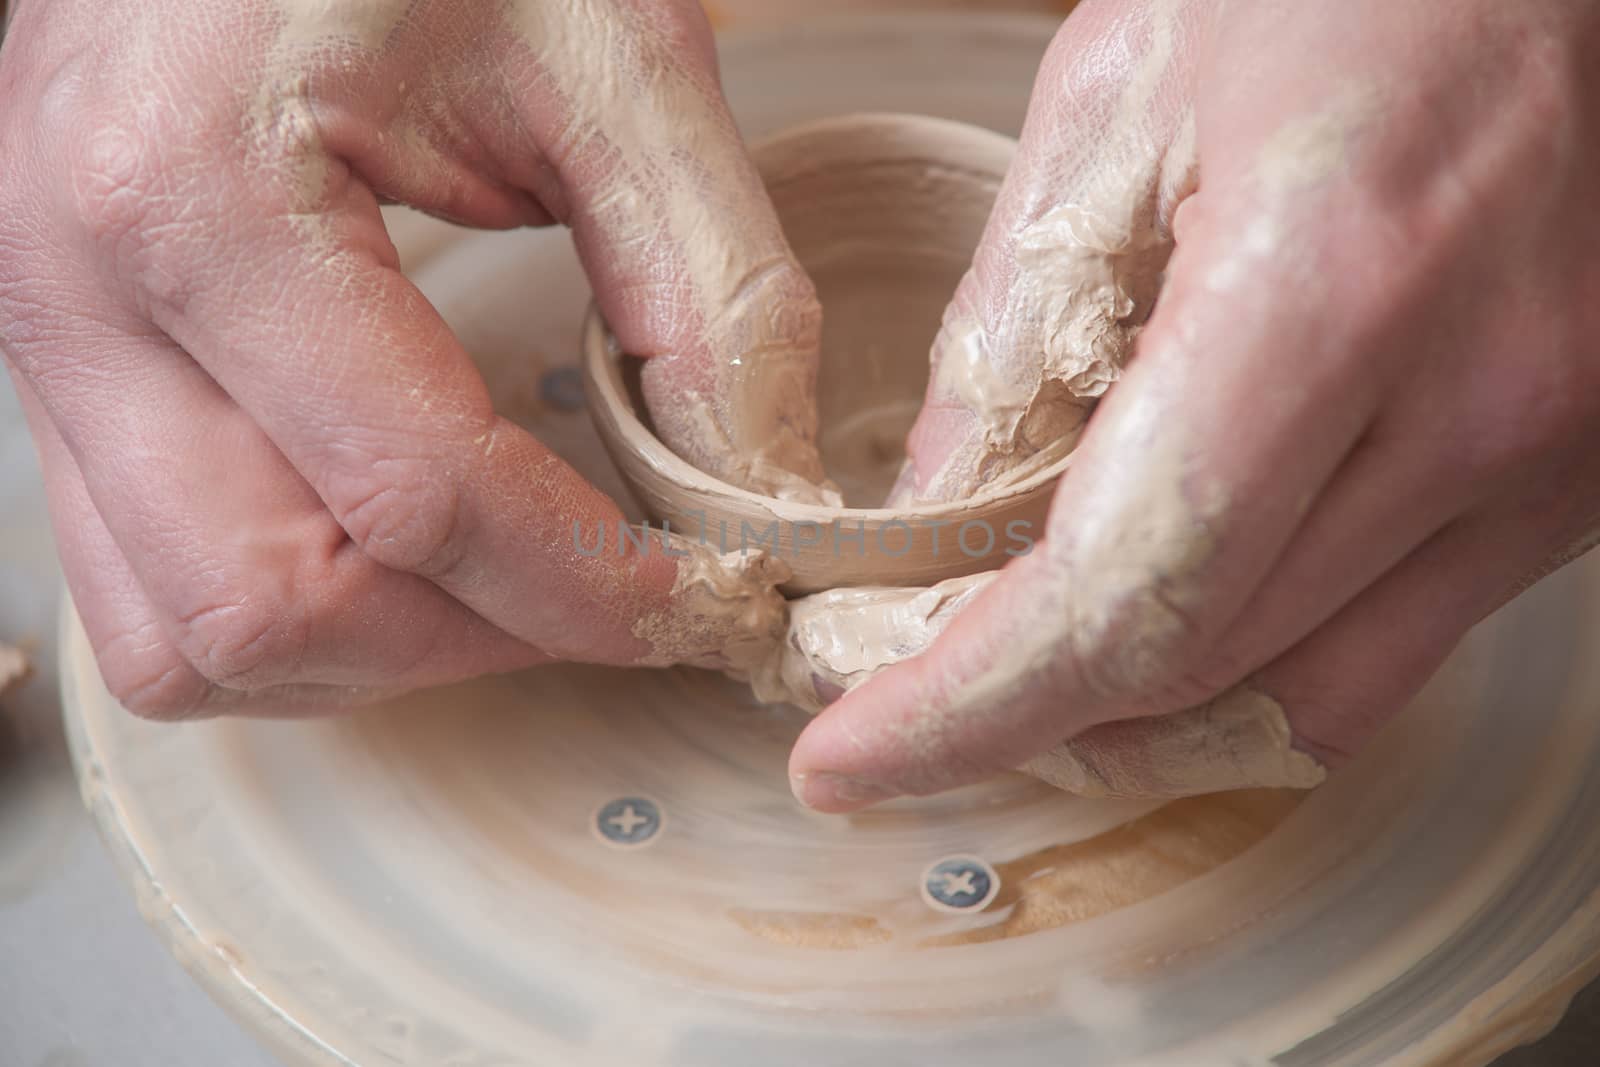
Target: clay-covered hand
[
  {"x": 1364, "y": 411},
  {"x": 275, "y": 475}
]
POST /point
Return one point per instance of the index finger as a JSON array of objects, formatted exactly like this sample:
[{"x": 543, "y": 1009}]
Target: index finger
[
  {"x": 675, "y": 228},
  {"x": 1072, "y": 258},
  {"x": 297, "y": 309}
]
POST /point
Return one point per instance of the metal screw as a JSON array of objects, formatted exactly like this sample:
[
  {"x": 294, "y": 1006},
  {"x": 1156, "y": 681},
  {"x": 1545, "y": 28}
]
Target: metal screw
[
  {"x": 628, "y": 822},
  {"x": 959, "y": 884}
]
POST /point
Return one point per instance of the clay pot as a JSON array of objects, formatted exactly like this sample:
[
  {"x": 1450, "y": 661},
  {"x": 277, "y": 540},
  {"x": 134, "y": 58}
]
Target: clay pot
[{"x": 884, "y": 211}]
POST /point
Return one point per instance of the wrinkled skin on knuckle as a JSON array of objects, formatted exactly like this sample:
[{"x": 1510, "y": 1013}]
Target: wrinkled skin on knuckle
[
  {"x": 405, "y": 517},
  {"x": 247, "y": 647},
  {"x": 149, "y": 677},
  {"x": 110, "y": 147},
  {"x": 249, "y": 641},
  {"x": 116, "y": 174}
]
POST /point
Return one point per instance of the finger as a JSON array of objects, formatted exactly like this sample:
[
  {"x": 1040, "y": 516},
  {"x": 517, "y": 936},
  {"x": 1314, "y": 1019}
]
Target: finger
[
  {"x": 249, "y": 576},
  {"x": 140, "y": 663},
  {"x": 688, "y": 261},
  {"x": 299, "y": 313},
  {"x": 1070, "y": 263},
  {"x": 1340, "y": 685},
  {"x": 608, "y": 117},
  {"x": 1376, "y": 510},
  {"x": 140, "y": 666}
]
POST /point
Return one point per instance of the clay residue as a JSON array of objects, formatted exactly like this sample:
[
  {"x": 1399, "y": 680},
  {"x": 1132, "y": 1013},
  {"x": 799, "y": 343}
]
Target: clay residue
[
  {"x": 1070, "y": 883},
  {"x": 838, "y": 639},
  {"x": 724, "y": 610},
  {"x": 809, "y": 929},
  {"x": 1240, "y": 738}
]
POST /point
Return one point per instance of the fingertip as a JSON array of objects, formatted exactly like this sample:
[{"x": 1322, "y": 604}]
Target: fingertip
[
  {"x": 837, "y": 794},
  {"x": 859, "y": 750}
]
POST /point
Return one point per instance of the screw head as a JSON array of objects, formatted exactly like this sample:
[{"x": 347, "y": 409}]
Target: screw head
[
  {"x": 562, "y": 389},
  {"x": 627, "y": 822},
  {"x": 959, "y": 884}
]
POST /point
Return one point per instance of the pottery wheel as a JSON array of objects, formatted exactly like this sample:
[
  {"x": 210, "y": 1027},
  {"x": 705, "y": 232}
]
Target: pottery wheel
[{"x": 583, "y": 866}]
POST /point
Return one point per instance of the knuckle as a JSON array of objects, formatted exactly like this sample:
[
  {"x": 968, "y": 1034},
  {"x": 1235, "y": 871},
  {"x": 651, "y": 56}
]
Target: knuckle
[
  {"x": 249, "y": 642},
  {"x": 1557, "y": 398},
  {"x": 150, "y": 678},
  {"x": 114, "y": 178},
  {"x": 412, "y": 524},
  {"x": 1536, "y": 412},
  {"x": 142, "y": 208}
]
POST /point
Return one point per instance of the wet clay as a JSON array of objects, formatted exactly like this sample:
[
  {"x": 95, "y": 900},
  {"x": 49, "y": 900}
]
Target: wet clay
[
  {"x": 725, "y": 602},
  {"x": 1237, "y": 740}
]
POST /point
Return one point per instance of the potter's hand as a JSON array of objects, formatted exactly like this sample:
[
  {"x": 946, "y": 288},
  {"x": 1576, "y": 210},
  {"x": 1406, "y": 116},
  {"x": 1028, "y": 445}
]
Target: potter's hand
[
  {"x": 1365, "y": 412},
  {"x": 274, "y": 473}
]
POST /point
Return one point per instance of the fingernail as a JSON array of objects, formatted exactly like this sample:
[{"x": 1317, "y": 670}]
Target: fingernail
[{"x": 827, "y": 791}]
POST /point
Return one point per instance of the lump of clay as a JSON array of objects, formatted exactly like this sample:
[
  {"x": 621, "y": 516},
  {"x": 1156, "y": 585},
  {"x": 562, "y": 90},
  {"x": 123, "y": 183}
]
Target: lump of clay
[{"x": 838, "y": 639}]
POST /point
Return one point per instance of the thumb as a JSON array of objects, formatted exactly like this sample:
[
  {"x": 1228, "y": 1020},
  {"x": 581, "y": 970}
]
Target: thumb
[
  {"x": 688, "y": 261},
  {"x": 1071, "y": 261}
]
